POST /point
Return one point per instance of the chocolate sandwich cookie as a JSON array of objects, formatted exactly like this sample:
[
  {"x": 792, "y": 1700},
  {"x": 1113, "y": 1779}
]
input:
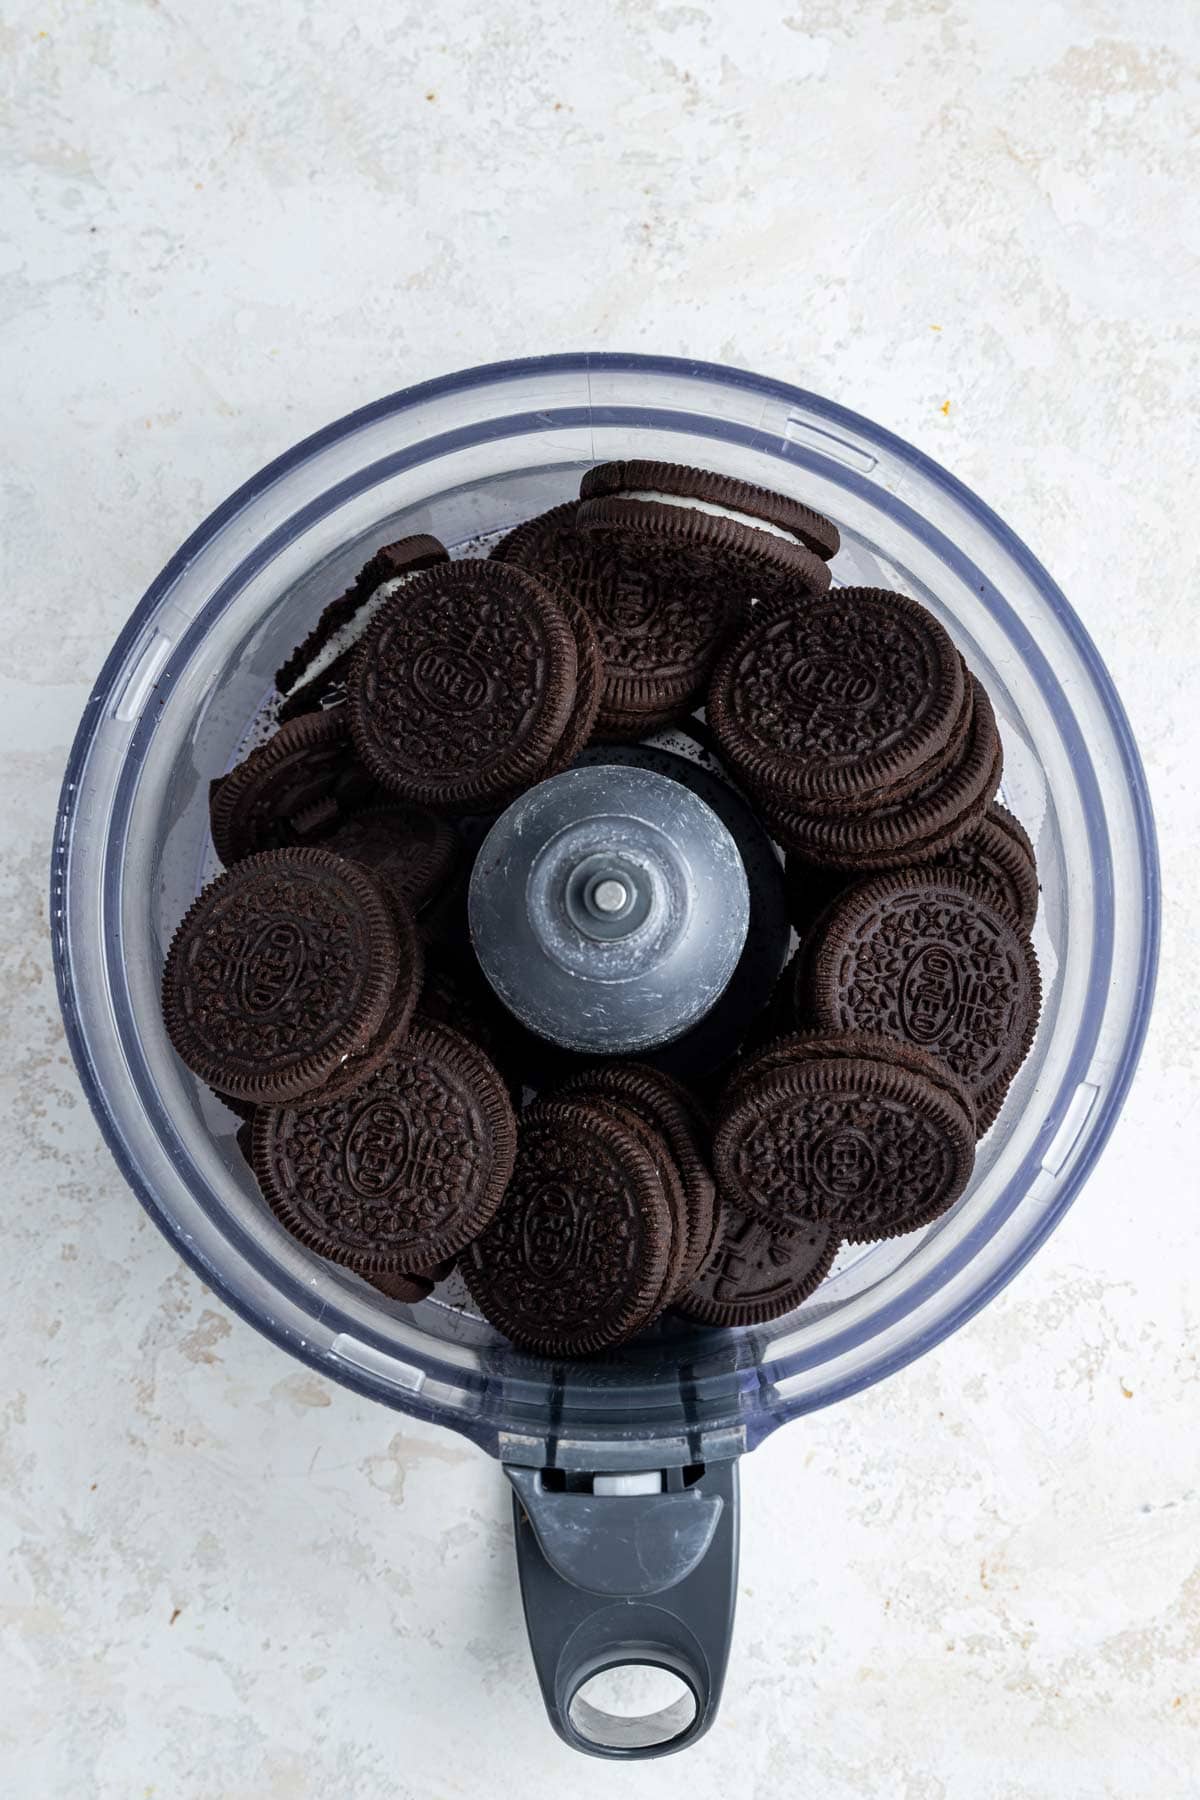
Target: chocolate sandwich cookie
[
  {"x": 296, "y": 788},
  {"x": 659, "y": 616},
  {"x": 314, "y": 676},
  {"x": 589, "y": 683},
  {"x": 408, "y": 976},
  {"x": 412, "y": 850},
  {"x": 405, "y": 1169},
  {"x": 921, "y": 826},
  {"x": 928, "y": 956},
  {"x": 671, "y": 1183},
  {"x": 672, "y": 503},
  {"x": 997, "y": 853},
  {"x": 871, "y": 800},
  {"x": 809, "y": 1044},
  {"x": 846, "y": 698},
  {"x": 759, "y": 1270},
  {"x": 460, "y": 696},
  {"x": 698, "y": 1116},
  {"x": 656, "y": 1100},
  {"x": 576, "y": 1257},
  {"x": 859, "y": 1144},
  {"x": 282, "y": 969}
]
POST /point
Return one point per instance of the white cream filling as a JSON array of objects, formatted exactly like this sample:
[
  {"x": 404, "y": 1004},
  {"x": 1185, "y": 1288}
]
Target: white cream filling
[
  {"x": 710, "y": 507},
  {"x": 347, "y": 635}
]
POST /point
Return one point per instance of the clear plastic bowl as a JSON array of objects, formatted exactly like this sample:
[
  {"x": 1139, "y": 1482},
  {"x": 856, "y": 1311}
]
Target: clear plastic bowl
[{"x": 467, "y": 456}]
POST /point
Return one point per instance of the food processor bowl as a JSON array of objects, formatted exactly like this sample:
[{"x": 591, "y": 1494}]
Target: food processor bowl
[{"x": 623, "y": 1465}]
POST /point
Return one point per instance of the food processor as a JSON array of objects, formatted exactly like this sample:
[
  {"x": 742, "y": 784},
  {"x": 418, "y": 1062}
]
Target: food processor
[{"x": 623, "y": 1466}]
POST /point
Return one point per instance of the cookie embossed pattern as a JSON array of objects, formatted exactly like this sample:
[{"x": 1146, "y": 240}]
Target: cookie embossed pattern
[
  {"x": 576, "y": 1257},
  {"x": 658, "y": 620},
  {"x": 931, "y": 959},
  {"x": 460, "y": 693},
  {"x": 837, "y": 699},
  {"x": 400, "y": 1171},
  {"x": 280, "y": 970}
]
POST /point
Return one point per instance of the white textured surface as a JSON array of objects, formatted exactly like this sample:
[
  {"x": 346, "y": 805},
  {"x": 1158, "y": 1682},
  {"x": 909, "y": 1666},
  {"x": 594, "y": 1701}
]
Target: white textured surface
[{"x": 975, "y": 222}]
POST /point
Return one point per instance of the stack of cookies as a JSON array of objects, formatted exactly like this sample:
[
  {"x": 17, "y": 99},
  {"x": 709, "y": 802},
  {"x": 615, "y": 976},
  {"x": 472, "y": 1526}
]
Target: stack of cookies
[
  {"x": 667, "y": 562},
  {"x": 291, "y": 987},
  {"x": 858, "y": 728},
  {"x": 398, "y": 1119},
  {"x": 609, "y": 1218}
]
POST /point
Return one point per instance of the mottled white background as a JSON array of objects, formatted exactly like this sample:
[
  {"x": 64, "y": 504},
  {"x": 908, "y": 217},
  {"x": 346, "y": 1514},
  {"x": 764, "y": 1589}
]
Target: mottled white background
[{"x": 974, "y": 220}]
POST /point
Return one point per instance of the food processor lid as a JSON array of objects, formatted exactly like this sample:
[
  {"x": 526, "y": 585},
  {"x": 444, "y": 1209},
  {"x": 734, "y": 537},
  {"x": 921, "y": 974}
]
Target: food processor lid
[{"x": 608, "y": 907}]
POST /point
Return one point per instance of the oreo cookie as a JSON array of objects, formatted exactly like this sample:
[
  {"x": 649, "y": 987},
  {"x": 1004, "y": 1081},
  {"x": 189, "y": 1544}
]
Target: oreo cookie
[
  {"x": 656, "y": 1099},
  {"x": 282, "y": 969},
  {"x": 460, "y": 697},
  {"x": 849, "y": 698},
  {"x": 927, "y": 956},
  {"x": 998, "y": 855},
  {"x": 576, "y": 1258},
  {"x": 809, "y": 1043},
  {"x": 871, "y": 800},
  {"x": 759, "y": 1270},
  {"x": 921, "y": 826},
  {"x": 861, "y": 1144},
  {"x": 731, "y": 520},
  {"x": 404, "y": 1169},
  {"x": 314, "y": 676},
  {"x": 589, "y": 684},
  {"x": 671, "y": 1184},
  {"x": 407, "y": 985},
  {"x": 296, "y": 788},
  {"x": 660, "y": 614}
]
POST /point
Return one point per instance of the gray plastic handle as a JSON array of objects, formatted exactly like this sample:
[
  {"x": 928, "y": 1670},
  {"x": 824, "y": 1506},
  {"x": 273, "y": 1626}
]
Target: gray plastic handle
[{"x": 614, "y": 1578}]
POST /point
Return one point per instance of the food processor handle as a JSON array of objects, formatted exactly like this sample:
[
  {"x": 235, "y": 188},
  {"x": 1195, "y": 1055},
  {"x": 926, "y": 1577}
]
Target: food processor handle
[{"x": 631, "y": 1568}]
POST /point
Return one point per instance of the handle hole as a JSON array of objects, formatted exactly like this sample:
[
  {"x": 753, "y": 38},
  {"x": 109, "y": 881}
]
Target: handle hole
[{"x": 633, "y": 1706}]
